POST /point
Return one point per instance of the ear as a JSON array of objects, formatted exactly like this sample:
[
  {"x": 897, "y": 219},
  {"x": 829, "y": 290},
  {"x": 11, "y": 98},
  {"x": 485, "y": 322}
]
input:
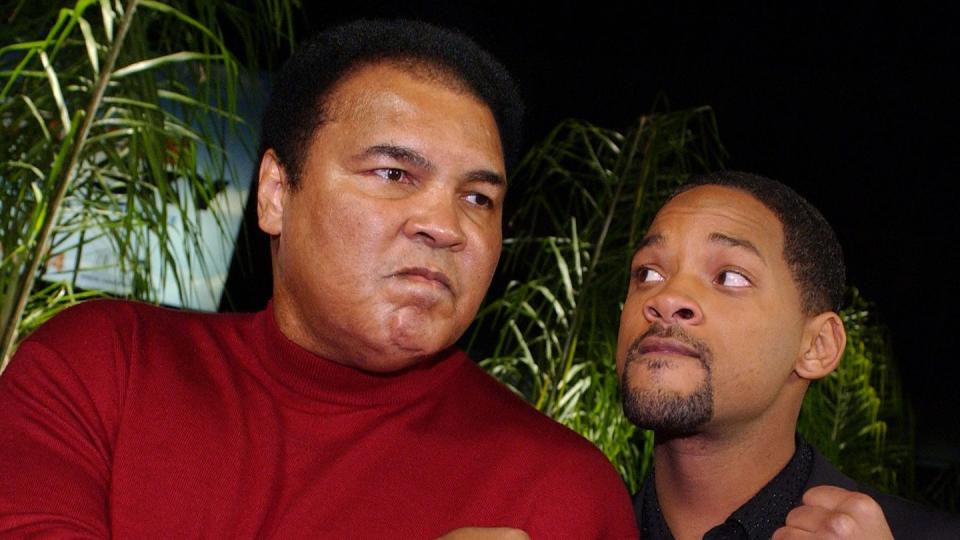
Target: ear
[
  {"x": 824, "y": 339},
  {"x": 271, "y": 187}
]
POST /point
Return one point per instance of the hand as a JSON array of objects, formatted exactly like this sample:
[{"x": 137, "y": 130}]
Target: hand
[
  {"x": 835, "y": 513},
  {"x": 480, "y": 533}
]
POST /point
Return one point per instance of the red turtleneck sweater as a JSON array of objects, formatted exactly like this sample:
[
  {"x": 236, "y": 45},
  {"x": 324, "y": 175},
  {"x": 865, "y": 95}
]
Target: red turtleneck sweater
[{"x": 132, "y": 421}]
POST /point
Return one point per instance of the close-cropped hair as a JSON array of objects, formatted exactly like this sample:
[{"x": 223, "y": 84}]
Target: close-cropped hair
[
  {"x": 810, "y": 246},
  {"x": 299, "y": 102}
]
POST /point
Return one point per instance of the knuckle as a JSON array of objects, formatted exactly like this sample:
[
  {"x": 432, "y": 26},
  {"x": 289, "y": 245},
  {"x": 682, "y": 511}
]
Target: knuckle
[
  {"x": 863, "y": 504},
  {"x": 840, "y": 525},
  {"x": 794, "y": 514}
]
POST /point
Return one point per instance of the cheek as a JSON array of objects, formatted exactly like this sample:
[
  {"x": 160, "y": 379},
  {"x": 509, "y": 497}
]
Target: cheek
[
  {"x": 352, "y": 230},
  {"x": 632, "y": 324},
  {"x": 480, "y": 262},
  {"x": 334, "y": 245},
  {"x": 759, "y": 360}
]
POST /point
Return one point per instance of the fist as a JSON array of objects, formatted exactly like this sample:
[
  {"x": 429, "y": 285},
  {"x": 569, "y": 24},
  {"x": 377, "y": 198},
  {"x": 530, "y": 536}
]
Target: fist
[{"x": 831, "y": 512}]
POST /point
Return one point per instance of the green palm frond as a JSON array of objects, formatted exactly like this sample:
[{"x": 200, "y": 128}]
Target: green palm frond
[
  {"x": 102, "y": 118},
  {"x": 943, "y": 489},
  {"x": 586, "y": 196},
  {"x": 857, "y": 415}
]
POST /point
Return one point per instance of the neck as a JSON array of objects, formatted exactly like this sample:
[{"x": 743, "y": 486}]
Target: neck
[{"x": 703, "y": 478}]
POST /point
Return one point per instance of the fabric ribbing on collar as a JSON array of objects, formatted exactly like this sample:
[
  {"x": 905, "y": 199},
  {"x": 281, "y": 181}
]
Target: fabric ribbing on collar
[
  {"x": 311, "y": 379},
  {"x": 757, "y": 519}
]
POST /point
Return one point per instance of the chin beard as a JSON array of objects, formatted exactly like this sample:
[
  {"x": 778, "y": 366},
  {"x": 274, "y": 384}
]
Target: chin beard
[{"x": 668, "y": 413}]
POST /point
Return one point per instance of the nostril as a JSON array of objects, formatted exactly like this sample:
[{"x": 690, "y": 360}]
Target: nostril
[{"x": 685, "y": 313}]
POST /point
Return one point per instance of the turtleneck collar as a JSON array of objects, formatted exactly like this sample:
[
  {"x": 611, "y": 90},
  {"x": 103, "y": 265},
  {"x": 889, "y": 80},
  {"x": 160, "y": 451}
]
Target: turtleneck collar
[{"x": 314, "y": 380}]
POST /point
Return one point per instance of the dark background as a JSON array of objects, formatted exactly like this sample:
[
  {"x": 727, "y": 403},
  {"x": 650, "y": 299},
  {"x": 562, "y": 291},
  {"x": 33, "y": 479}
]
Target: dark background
[{"x": 852, "y": 106}]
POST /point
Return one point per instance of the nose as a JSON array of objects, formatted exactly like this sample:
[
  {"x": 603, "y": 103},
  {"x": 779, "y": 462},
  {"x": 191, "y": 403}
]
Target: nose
[
  {"x": 434, "y": 220},
  {"x": 672, "y": 305}
]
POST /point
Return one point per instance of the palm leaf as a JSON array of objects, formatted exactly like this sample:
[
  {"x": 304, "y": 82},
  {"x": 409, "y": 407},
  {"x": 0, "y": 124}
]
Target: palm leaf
[
  {"x": 857, "y": 416},
  {"x": 585, "y": 196},
  {"x": 103, "y": 120}
]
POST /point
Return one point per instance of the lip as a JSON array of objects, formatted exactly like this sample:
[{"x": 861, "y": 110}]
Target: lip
[
  {"x": 427, "y": 274},
  {"x": 668, "y": 346}
]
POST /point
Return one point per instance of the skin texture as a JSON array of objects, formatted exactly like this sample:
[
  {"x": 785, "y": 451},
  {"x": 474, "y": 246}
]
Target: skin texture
[
  {"x": 383, "y": 254},
  {"x": 712, "y": 304},
  {"x": 829, "y": 512},
  {"x": 739, "y": 303}
]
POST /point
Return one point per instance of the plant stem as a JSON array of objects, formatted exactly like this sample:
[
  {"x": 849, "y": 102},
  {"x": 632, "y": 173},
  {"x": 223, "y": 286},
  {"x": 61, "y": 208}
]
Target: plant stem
[{"x": 11, "y": 325}]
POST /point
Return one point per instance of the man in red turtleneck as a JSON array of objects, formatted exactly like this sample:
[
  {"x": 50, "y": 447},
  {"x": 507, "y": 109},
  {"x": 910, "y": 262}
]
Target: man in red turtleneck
[{"x": 342, "y": 410}]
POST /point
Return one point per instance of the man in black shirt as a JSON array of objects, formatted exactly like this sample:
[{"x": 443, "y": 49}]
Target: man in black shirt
[{"x": 731, "y": 312}]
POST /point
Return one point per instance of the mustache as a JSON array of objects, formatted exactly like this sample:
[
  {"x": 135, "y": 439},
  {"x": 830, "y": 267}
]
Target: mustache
[{"x": 657, "y": 330}]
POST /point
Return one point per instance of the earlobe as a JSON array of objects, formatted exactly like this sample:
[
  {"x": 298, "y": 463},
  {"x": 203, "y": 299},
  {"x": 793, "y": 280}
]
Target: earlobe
[
  {"x": 271, "y": 187},
  {"x": 823, "y": 342}
]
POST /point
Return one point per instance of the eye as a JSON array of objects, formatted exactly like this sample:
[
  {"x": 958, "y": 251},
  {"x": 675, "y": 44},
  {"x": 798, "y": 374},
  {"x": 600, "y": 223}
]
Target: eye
[
  {"x": 646, "y": 274},
  {"x": 479, "y": 199},
  {"x": 393, "y": 175},
  {"x": 729, "y": 278}
]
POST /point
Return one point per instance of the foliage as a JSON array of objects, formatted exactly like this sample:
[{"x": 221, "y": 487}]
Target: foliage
[
  {"x": 585, "y": 196},
  {"x": 102, "y": 118},
  {"x": 857, "y": 415},
  {"x": 942, "y": 490}
]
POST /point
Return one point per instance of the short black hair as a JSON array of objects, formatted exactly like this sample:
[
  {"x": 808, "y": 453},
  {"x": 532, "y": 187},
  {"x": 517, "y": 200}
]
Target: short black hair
[
  {"x": 298, "y": 103},
  {"x": 810, "y": 246}
]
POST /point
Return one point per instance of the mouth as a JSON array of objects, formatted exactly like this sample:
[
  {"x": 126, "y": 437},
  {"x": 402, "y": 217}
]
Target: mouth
[
  {"x": 425, "y": 275},
  {"x": 658, "y": 345}
]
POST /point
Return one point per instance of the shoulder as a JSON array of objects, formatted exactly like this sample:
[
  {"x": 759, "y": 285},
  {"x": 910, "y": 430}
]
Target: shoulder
[
  {"x": 96, "y": 324},
  {"x": 98, "y": 342},
  {"x": 491, "y": 399},
  {"x": 97, "y": 320},
  {"x": 562, "y": 454},
  {"x": 907, "y": 519},
  {"x": 79, "y": 339},
  {"x": 824, "y": 473}
]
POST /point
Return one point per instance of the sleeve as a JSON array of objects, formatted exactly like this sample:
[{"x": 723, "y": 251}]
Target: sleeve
[
  {"x": 58, "y": 403},
  {"x": 583, "y": 498}
]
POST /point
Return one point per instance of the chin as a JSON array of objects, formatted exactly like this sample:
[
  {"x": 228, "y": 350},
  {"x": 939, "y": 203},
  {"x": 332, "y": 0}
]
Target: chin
[
  {"x": 393, "y": 361},
  {"x": 422, "y": 336}
]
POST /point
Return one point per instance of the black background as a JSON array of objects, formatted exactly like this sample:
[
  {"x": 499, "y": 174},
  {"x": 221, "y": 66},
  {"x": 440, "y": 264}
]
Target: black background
[{"x": 851, "y": 105}]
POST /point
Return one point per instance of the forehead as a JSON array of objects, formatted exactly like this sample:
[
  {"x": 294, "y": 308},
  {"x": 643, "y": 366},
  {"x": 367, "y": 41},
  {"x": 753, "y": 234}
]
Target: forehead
[
  {"x": 707, "y": 210},
  {"x": 385, "y": 99},
  {"x": 392, "y": 84}
]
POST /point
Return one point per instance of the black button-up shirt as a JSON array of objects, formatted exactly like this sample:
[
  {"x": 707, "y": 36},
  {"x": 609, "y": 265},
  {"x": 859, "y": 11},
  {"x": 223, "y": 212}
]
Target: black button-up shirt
[{"x": 757, "y": 519}]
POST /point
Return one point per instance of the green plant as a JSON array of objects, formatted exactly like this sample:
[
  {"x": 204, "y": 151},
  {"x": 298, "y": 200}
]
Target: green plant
[
  {"x": 942, "y": 489},
  {"x": 857, "y": 416},
  {"x": 586, "y": 195},
  {"x": 102, "y": 120}
]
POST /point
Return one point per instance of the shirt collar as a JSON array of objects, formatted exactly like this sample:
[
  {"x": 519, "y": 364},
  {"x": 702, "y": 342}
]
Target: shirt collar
[{"x": 757, "y": 518}]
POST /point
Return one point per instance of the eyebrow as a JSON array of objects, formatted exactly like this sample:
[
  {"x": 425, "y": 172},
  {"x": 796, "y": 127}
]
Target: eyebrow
[
  {"x": 733, "y": 241},
  {"x": 487, "y": 177},
  {"x": 717, "y": 238},
  {"x": 404, "y": 154},
  {"x": 649, "y": 240}
]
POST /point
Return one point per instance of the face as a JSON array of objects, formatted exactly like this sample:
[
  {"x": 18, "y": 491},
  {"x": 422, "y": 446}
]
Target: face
[
  {"x": 712, "y": 325},
  {"x": 385, "y": 251}
]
